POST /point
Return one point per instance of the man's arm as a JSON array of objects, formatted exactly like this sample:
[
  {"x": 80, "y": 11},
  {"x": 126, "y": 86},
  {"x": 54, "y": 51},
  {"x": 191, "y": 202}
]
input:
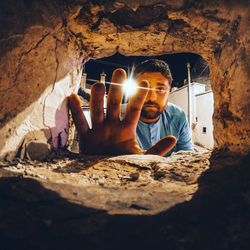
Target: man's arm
[{"x": 110, "y": 135}]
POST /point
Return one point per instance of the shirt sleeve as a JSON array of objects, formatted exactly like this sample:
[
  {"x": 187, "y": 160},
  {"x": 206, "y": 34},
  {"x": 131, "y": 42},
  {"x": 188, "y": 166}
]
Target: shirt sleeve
[{"x": 184, "y": 142}]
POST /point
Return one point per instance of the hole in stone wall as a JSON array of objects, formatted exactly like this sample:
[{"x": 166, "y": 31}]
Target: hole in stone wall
[{"x": 190, "y": 89}]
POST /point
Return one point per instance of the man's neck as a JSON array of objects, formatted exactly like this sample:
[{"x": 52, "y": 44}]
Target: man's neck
[{"x": 143, "y": 119}]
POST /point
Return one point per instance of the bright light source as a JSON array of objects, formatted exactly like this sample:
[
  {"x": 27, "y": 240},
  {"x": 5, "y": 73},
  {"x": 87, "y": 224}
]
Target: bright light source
[{"x": 129, "y": 87}]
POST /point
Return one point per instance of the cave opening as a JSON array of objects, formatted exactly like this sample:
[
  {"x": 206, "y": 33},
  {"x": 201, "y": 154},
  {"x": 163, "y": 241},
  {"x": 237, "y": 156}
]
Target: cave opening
[{"x": 190, "y": 89}]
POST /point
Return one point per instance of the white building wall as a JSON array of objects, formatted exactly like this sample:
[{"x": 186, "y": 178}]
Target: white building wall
[
  {"x": 203, "y": 129},
  {"x": 196, "y": 88},
  {"x": 201, "y": 108},
  {"x": 180, "y": 98}
]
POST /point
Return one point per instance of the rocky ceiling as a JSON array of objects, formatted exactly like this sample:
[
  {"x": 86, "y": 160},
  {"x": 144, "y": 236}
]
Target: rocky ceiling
[
  {"x": 43, "y": 45},
  {"x": 187, "y": 201}
]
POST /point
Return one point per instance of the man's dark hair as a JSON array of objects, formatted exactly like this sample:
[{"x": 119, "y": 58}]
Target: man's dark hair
[{"x": 154, "y": 65}]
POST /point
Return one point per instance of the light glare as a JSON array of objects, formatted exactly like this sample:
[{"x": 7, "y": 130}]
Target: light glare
[{"x": 129, "y": 87}]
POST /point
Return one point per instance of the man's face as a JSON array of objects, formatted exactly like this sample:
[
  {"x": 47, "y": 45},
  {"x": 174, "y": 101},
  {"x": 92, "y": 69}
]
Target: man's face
[{"x": 156, "y": 100}]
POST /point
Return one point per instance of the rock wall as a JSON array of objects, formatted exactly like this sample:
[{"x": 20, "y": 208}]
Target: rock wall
[{"x": 43, "y": 45}]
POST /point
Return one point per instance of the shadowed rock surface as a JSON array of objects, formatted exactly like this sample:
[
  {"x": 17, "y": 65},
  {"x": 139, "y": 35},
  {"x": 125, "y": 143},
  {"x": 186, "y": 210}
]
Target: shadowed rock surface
[{"x": 126, "y": 202}]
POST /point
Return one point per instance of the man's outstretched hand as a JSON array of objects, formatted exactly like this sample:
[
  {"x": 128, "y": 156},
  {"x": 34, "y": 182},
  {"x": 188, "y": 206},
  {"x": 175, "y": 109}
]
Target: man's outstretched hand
[{"x": 109, "y": 135}]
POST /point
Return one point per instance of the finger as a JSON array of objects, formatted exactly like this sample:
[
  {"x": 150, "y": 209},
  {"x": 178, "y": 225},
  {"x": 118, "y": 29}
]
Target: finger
[
  {"x": 115, "y": 95},
  {"x": 163, "y": 146},
  {"x": 77, "y": 114},
  {"x": 133, "y": 110},
  {"x": 96, "y": 103}
]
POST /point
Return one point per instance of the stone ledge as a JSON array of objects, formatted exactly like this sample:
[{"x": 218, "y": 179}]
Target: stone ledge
[{"x": 127, "y": 184}]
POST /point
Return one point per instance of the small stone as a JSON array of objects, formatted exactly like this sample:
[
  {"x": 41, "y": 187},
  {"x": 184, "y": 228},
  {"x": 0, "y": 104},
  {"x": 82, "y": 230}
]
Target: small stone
[
  {"x": 134, "y": 176},
  {"x": 19, "y": 165}
]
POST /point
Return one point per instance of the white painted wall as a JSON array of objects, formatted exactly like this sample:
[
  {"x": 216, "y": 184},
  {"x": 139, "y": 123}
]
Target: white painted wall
[
  {"x": 180, "y": 98},
  {"x": 201, "y": 108},
  {"x": 204, "y": 113},
  {"x": 196, "y": 88}
]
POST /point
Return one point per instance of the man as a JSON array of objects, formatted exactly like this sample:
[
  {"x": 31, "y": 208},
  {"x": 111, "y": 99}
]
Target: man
[
  {"x": 159, "y": 118},
  {"x": 113, "y": 135}
]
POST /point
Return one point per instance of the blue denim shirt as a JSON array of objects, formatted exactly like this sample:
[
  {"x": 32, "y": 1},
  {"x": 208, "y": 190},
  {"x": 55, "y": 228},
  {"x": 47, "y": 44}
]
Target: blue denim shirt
[{"x": 172, "y": 121}]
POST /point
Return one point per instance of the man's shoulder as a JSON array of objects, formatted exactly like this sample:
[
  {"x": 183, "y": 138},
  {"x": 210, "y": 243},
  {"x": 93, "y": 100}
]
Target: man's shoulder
[
  {"x": 174, "y": 111},
  {"x": 174, "y": 115}
]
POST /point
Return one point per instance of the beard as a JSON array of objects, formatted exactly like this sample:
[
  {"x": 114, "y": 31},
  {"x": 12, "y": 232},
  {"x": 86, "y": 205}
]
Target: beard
[{"x": 150, "y": 110}]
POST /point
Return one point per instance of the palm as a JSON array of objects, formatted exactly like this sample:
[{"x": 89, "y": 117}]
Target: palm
[
  {"x": 110, "y": 138},
  {"x": 110, "y": 134}
]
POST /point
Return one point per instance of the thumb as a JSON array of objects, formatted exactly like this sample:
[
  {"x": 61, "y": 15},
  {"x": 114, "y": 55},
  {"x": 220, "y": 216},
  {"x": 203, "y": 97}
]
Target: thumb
[{"x": 163, "y": 146}]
